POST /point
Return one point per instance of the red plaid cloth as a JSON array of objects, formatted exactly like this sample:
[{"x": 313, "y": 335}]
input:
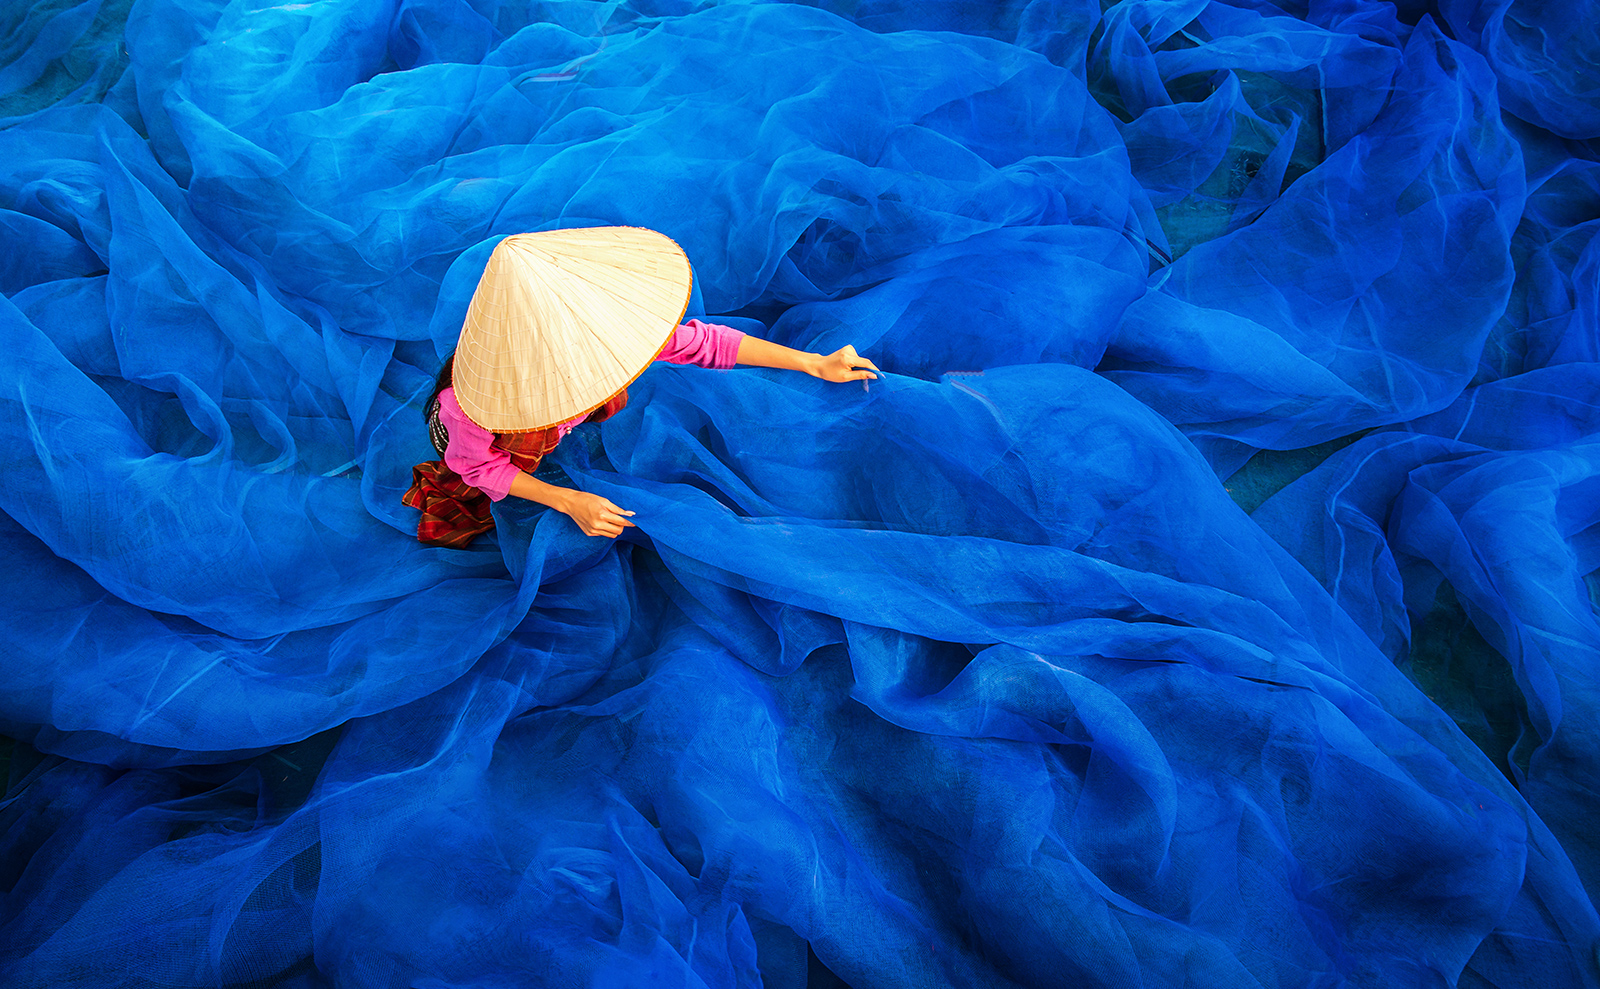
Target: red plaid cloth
[{"x": 454, "y": 511}]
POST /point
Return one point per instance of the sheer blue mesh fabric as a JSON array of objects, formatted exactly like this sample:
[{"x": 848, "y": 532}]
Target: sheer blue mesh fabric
[{"x": 1204, "y": 595}]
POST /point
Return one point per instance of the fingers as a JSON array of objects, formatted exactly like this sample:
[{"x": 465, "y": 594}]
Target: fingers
[
  {"x": 613, "y": 516},
  {"x": 854, "y": 367},
  {"x": 845, "y": 364},
  {"x": 601, "y": 518},
  {"x": 611, "y": 524},
  {"x": 858, "y": 373}
]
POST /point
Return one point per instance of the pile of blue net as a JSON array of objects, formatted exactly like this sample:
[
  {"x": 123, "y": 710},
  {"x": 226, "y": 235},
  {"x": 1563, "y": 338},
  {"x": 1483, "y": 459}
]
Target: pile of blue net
[{"x": 1204, "y": 597}]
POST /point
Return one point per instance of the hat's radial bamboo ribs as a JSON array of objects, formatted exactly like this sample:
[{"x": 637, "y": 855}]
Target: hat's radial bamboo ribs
[{"x": 564, "y": 319}]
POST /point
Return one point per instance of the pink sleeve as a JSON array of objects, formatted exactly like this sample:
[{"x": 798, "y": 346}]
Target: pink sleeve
[
  {"x": 471, "y": 453},
  {"x": 705, "y": 344}
]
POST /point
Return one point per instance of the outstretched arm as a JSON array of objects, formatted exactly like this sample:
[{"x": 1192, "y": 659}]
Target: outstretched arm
[
  {"x": 595, "y": 515},
  {"x": 843, "y": 364}
]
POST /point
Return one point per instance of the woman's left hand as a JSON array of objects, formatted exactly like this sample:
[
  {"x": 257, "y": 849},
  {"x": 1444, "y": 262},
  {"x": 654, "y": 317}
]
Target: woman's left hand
[{"x": 843, "y": 364}]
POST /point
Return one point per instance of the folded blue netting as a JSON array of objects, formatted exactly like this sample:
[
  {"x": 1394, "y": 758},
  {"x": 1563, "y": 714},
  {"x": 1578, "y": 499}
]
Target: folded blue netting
[{"x": 1203, "y": 596}]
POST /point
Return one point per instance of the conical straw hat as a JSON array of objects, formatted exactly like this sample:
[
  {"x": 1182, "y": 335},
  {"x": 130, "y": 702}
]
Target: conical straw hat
[{"x": 564, "y": 319}]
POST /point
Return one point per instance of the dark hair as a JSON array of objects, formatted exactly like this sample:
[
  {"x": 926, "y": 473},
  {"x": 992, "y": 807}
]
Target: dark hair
[
  {"x": 438, "y": 435},
  {"x": 440, "y": 383}
]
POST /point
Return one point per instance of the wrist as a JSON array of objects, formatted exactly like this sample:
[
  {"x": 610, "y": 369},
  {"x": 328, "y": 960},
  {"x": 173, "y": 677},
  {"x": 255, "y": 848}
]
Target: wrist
[
  {"x": 811, "y": 364},
  {"x": 551, "y": 495}
]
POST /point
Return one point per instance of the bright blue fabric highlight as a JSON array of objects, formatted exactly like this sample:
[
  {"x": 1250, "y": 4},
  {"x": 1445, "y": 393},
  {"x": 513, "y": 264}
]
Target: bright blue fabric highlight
[{"x": 1205, "y": 595}]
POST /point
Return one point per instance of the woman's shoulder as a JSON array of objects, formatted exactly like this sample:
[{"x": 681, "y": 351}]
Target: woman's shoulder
[{"x": 454, "y": 417}]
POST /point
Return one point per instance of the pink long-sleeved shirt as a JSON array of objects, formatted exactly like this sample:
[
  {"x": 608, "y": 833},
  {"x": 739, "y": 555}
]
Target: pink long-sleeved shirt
[{"x": 472, "y": 453}]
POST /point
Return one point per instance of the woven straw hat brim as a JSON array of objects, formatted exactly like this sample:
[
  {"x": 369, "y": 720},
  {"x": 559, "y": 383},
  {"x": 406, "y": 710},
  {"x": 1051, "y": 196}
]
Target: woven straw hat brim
[{"x": 562, "y": 320}]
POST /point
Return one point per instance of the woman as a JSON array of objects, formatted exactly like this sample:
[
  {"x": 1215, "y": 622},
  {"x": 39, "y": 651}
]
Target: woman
[{"x": 561, "y": 323}]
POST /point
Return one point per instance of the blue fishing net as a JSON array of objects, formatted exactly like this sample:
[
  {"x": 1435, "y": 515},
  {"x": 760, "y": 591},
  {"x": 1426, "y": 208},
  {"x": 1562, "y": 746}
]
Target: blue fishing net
[{"x": 1203, "y": 596}]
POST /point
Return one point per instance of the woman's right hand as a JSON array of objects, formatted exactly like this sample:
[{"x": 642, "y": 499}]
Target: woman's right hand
[{"x": 595, "y": 515}]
